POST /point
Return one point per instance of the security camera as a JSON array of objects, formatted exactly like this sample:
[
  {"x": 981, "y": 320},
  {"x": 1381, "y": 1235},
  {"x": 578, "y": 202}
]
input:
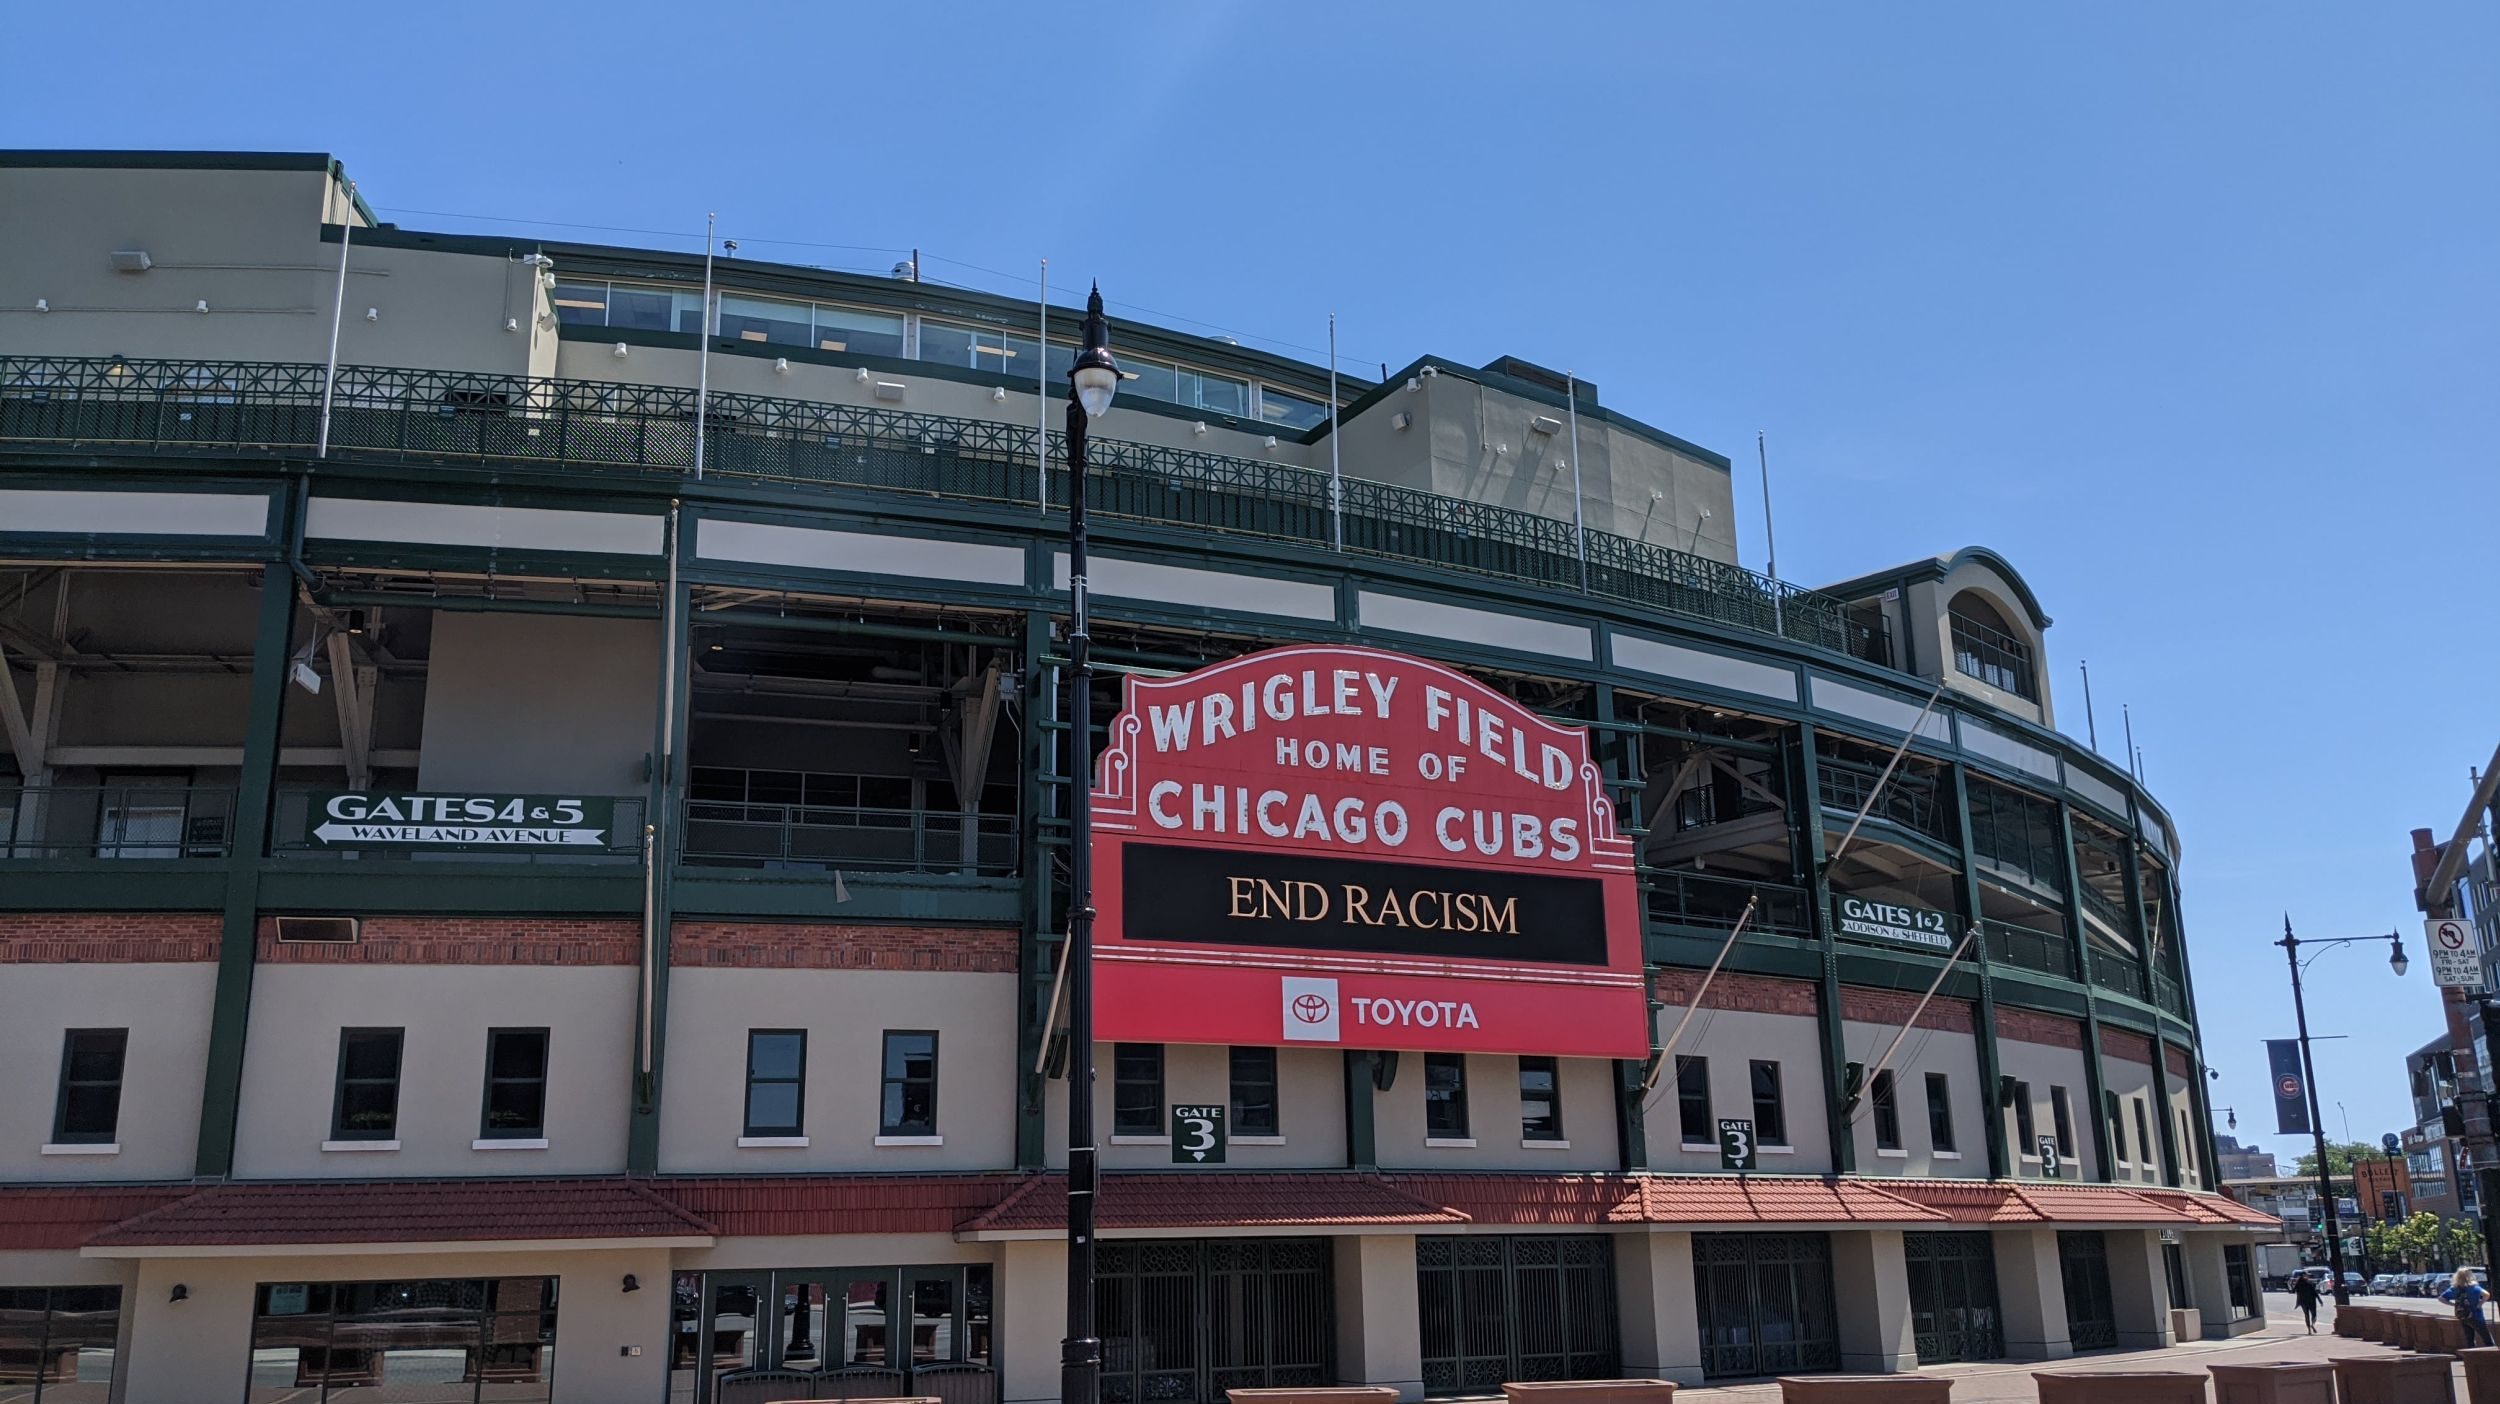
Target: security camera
[{"x": 729, "y": 246}]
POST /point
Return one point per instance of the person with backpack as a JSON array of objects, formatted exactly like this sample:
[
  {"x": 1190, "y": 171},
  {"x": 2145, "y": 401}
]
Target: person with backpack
[
  {"x": 2305, "y": 1296},
  {"x": 2468, "y": 1296}
]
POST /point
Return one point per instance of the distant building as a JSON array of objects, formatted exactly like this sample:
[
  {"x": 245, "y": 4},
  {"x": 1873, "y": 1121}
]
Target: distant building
[
  {"x": 2237, "y": 1162},
  {"x": 2433, "y": 1156}
]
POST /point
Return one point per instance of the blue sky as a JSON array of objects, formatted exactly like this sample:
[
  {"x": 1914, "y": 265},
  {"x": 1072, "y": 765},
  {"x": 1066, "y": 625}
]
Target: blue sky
[{"x": 2191, "y": 311}]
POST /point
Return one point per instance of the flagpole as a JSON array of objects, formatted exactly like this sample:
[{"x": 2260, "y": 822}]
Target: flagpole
[
  {"x": 703, "y": 347},
  {"x": 1336, "y": 478},
  {"x": 1579, "y": 526},
  {"x": 1041, "y": 392},
  {"x": 338, "y": 313},
  {"x": 1770, "y": 537}
]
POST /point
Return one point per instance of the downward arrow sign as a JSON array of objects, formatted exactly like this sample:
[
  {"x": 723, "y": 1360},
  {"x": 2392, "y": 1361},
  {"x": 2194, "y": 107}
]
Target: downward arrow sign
[{"x": 1197, "y": 1155}]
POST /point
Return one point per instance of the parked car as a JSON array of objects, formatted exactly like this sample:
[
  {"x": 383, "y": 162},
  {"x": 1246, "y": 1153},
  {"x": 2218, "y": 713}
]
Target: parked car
[
  {"x": 2383, "y": 1285},
  {"x": 2354, "y": 1283},
  {"x": 2430, "y": 1284}
]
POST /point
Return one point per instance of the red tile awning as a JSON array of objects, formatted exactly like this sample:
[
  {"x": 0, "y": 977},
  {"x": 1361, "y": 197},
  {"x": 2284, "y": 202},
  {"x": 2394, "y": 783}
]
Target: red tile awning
[
  {"x": 784, "y": 1205},
  {"x": 2010, "y": 1203},
  {"x": 57, "y": 1217},
  {"x": 1300, "y": 1199},
  {"x": 314, "y": 1213}
]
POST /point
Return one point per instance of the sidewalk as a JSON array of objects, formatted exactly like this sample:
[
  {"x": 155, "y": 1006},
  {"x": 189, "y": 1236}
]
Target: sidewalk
[{"x": 2010, "y": 1382}]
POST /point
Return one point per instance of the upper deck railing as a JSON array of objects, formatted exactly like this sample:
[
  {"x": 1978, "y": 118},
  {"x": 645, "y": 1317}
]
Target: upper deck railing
[{"x": 580, "y": 425}]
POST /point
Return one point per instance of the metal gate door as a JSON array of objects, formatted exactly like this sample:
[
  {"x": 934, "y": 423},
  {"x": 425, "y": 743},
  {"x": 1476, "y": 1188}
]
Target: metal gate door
[
  {"x": 1765, "y": 1301},
  {"x": 1953, "y": 1297},
  {"x": 1516, "y": 1309},
  {"x": 2083, "y": 1260},
  {"x": 1183, "y": 1320}
]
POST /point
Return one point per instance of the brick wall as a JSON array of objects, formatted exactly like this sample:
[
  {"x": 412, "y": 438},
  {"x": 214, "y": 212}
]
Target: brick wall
[
  {"x": 727, "y": 945},
  {"x": 1758, "y": 994},
  {"x": 107, "y": 938},
  {"x": 1893, "y": 1007},
  {"x": 2130, "y": 1047},
  {"x": 2028, "y": 1026},
  {"x": 407, "y": 940},
  {"x": 2177, "y": 1059}
]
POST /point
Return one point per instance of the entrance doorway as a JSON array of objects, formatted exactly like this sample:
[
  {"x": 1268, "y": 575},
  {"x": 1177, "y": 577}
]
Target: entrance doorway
[
  {"x": 833, "y": 1333},
  {"x": 2091, "y": 1320},
  {"x": 1953, "y": 1297},
  {"x": 1516, "y": 1309},
  {"x": 1183, "y": 1320},
  {"x": 1765, "y": 1302}
]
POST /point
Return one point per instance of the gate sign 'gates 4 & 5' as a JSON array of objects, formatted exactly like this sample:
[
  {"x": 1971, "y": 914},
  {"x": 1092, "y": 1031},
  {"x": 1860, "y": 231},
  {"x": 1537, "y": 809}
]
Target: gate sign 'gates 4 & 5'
[{"x": 1342, "y": 846}]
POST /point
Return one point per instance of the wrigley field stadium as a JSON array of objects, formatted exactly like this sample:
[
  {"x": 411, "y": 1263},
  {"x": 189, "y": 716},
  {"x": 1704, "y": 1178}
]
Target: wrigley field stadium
[{"x": 525, "y": 879}]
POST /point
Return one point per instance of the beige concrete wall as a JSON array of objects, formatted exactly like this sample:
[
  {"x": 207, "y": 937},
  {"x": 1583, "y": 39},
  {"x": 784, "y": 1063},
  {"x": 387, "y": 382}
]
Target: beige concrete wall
[
  {"x": 1955, "y": 1055},
  {"x": 1871, "y": 1299},
  {"x": 846, "y": 1014},
  {"x": 1031, "y": 1315},
  {"x": 207, "y": 1336},
  {"x": 1310, "y": 1110},
  {"x": 166, "y": 1010},
  {"x": 1588, "y": 1114},
  {"x": 1936, "y": 632},
  {"x": 290, "y": 1066},
  {"x": 540, "y": 704},
  {"x": 2139, "y": 1288},
  {"x": 2046, "y": 1066},
  {"x": 1379, "y": 1313},
  {"x": 2031, "y": 1294},
  {"x": 1660, "y": 1324},
  {"x": 1731, "y": 1039},
  {"x": 2133, "y": 1084}
]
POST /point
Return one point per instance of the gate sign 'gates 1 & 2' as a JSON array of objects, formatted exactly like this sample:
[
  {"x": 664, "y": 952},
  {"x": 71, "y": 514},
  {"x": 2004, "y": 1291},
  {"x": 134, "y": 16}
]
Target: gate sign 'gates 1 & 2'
[{"x": 1352, "y": 848}]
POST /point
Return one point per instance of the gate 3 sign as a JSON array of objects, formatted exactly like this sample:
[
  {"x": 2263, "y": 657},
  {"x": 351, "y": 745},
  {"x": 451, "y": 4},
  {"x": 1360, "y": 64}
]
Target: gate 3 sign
[
  {"x": 510, "y": 822},
  {"x": 1348, "y": 847}
]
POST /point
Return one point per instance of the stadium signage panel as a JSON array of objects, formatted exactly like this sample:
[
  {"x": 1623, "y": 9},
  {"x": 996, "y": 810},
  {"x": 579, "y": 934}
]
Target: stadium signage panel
[
  {"x": 1350, "y": 847},
  {"x": 525, "y": 823},
  {"x": 1891, "y": 921}
]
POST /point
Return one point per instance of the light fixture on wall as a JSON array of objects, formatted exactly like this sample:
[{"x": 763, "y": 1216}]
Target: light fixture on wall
[
  {"x": 373, "y": 314},
  {"x": 181, "y": 1293},
  {"x": 621, "y": 352},
  {"x": 632, "y": 1283}
]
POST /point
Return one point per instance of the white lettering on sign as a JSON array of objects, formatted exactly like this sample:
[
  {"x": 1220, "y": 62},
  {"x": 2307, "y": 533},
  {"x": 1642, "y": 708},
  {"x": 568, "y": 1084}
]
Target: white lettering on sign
[
  {"x": 451, "y": 809},
  {"x": 1414, "y": 1013},
  {"x": 1282, "y": 697}
]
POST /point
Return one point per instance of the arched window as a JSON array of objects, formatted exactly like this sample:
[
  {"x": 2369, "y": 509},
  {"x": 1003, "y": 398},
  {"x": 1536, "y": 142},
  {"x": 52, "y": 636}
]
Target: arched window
[{"x": 1988, "y": 649}]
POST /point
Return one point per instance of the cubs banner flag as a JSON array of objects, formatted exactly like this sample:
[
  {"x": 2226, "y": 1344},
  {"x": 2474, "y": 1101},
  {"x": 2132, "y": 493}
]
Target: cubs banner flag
[{"x": 2291, "y": 1094}]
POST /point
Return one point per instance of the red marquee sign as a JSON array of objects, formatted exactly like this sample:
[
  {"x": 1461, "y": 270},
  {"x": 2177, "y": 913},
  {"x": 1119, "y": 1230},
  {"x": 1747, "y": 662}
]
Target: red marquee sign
[{"x": 1341, "y": 846}]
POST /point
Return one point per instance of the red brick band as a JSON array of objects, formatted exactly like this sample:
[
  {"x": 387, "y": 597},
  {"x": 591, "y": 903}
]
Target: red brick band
[
  {"x": 410, "y": 940},
  {"x": 2131, "y": 1047},
  {"x": 1757, "y": 994},
  {"x": 2030, "y": 1026},
  {"x": 727, "y": 945},
  {"x": 1893, "y": 1007},
  {"x": 107, "y": 938}
]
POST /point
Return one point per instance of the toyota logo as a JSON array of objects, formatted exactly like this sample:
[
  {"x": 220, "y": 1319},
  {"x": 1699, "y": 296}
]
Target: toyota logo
[{"x": 1310, "y": 1009}]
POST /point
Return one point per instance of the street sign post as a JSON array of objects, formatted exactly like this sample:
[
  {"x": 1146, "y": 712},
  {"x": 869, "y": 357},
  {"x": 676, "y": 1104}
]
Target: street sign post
[
  {"x": 2456, "y": 957},
  {"x": 2050, "y": 1165},
  {"x": 1198, "y": 1135},
  {"x": 1736, "y": 1144}
]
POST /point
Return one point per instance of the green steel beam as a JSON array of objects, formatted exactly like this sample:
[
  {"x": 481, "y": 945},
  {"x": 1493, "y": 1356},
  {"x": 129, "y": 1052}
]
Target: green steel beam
[
  {"x": 665, "y": 792},
  {"x": 1808, "y": 805},
  {"x": 1990, "y": 1065},
  {"x": 230, "y": 1016},
  {"x": 2163, "y": 1130},
  {"x": 1362, "y": 1136},
  {"x": 1035, "y": 960},
  {"x": 2096, "y": 1082}
]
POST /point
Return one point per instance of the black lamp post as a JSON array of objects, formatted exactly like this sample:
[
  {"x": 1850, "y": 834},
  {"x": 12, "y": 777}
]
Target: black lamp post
[
  {"x": 2396, "y": 961},
  {"x": 1093, "y": 379}
]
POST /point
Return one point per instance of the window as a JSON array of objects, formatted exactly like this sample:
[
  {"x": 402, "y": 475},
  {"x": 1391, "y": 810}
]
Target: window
[
  {"x": 88, "y": 1111},
  {"x": 2062, "y": 1117},
  {"x": 910, "y": 1092},
  {"x": 776, "y": 1082},
  {"x": 448, "y": 1338},
  {"x": 1290, "y": 411},
  {"x": 585, "y": 304},
  {"x": 1940, "y": 1112},
  {"x": 2117, "y": 1131},
  {"x": 866, "y": 333},
  {"x": 1987, "y": 648},
  {"x": 1150, "y": 380},
  {"x": 367, "y": 1107},
  {"x": 1445, "y": 1096},
  {"x": 516, "y": 1085},
  {"x": 1692, "y": 1103},
  {"x": 1137, "y": 1089},
  {"x": 1770, "y": 1118},
  {"x": 598, "y": 304},
  {"x": 2026, "y": 1131},
  {"x": 1254, "y": 1092},
  {"x": 58, "y": 1342},
  {"x": 2241, "y": 1273},
  {"x": 2143, "y": 1135},
  {"x": 1217, "y": 394},
  {"x": 143, "y": 816},
  {"x": 2187, "y": 1143},
  {"x": 764, "y": 319},
  {"x": 1540, "y": 1100},
  {"x": 1887, "y": 1113}
]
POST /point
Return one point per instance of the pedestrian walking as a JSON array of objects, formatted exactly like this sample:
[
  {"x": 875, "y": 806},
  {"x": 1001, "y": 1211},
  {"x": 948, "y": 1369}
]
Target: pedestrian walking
[
  {"x": 2305, "y": 1296},
  {"x": 2468, "y": 1296}
]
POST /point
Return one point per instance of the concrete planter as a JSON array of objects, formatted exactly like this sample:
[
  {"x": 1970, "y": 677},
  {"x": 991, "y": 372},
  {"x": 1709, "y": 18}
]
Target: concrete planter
[
  {"x": 1865, "y": 1389},
  {"x": 2394, "y": 1379},
  {"x": 2281, "y": 1382},
  {"x": 2122, "y": 1387},
  {"x": 2187, "y": 1324},
  {"x": 2354, "y": 1322},
  {"x": 1590, "y": 1392},
  {"x": 1316, "y": 1395},
  {"x": 2441, "y": 1334},
  {"x": 1342, "y": 1394},
  {"x": 2482, "y": 1374}
]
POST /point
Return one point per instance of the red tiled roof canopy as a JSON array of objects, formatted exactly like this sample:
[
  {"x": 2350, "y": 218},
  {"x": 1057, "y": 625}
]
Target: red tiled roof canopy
[
  {"x": 1192, "y": 1200},
  {"x": 2039, "y": 1202},
  {"x": 65, "y": 1216},
  {"x": 406, "y": 1211},
  {"x": 813, "y": 1204}
]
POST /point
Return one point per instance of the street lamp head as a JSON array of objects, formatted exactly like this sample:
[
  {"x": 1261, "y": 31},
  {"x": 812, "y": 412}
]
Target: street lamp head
[
  {"x": 2396, "y": 955},
  {"x": 1095, "y": 376}
]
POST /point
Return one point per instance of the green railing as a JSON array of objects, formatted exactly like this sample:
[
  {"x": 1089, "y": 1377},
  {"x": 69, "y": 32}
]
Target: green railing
[
  {"x": 1677, "y": 897},
  {"x": 2029, "y": 947},
  {"x": 579, "y": 425}
]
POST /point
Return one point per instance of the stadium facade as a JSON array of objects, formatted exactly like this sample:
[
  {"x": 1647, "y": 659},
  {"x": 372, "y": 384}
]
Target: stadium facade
[{"x": 540, "y": 903}]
